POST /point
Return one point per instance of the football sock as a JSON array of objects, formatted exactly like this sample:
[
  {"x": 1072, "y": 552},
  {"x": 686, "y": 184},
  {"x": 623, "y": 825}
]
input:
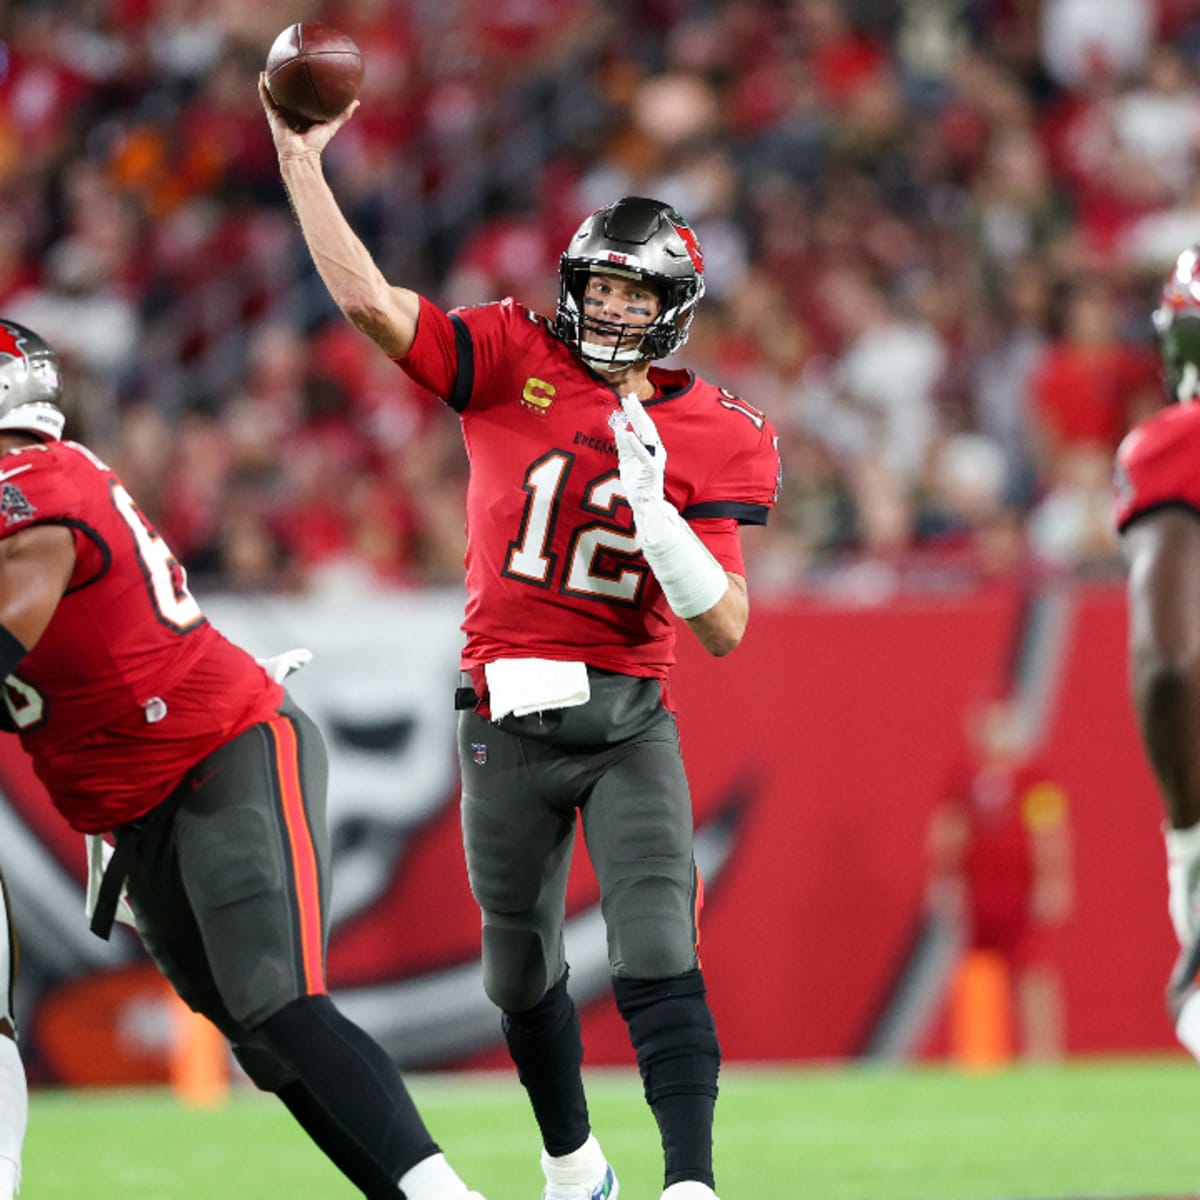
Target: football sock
[
  {"x": 338, "y": 1146},
  {"x": 14, "y": 1115},
  {"x": 547, "y": 1048},
  {"x": 679, "y": 1057},
  {"x": 350, "y": 1098}
]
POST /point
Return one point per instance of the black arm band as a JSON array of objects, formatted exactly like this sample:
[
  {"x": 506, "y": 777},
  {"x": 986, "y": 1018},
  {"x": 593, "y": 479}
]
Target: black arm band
[{"x": 11, "y": 653}]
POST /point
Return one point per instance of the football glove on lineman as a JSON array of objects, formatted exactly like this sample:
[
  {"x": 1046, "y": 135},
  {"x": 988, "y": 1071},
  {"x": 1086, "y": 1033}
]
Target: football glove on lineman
[{"x": 280, "y": 666}]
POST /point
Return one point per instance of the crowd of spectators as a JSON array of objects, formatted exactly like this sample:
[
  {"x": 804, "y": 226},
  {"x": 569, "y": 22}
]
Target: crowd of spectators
[{"x": 934, "y": 232}]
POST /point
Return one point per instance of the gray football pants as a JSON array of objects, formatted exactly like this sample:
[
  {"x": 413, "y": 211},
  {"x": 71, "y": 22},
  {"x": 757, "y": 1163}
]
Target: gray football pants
[
  {"x": 616, "y": 760},
  {"x": 230, "y": 877}
]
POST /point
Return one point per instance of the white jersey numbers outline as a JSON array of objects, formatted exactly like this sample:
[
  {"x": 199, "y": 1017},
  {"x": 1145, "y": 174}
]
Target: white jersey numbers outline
[
  {"x": 736, "y": 404},
  {"x": 26, "y": 705},
  {"x": 588, "y": 542},
  {"x": 529, "y": 559},
  {"x": 167, "y": 579}
]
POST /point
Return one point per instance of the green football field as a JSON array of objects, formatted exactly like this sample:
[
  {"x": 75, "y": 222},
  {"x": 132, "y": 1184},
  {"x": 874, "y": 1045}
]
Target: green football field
[{"x": 1110, "y": 1128}]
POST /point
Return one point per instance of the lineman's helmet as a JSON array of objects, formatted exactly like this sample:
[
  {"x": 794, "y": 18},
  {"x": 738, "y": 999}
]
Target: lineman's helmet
[{"x": 30, "y": 383}]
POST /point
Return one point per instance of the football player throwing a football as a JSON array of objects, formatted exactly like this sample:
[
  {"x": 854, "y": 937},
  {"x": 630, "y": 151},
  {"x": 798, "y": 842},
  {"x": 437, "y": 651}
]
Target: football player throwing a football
[
  {"x": 605, "y": 494},
  {"x": 1157, "y": 503},
  {"x": 146, "y": 725}
]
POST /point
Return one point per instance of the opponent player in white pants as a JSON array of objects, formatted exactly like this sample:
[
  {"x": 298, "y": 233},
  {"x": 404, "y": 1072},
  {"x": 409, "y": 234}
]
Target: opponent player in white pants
[{"x": 14, "y": 1095}]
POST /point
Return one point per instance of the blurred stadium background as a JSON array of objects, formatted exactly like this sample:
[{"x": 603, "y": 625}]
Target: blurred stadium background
[{"x": 934, "y": 231}]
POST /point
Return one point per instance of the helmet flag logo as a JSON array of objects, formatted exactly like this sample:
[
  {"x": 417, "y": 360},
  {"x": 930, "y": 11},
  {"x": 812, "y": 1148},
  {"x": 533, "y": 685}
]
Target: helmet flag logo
[
  {"x": 690, "y": 241},
  {"x": 10, "y": 342}
]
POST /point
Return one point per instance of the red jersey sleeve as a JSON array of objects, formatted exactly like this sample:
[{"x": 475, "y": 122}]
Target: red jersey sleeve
[
  {"x": 451, "y": 350},
  {"x": 734, "y": 466},
  {"x": 1156, "y": 465},
  {"x": 34, "y": 490},
  {"x": 747, "y": 483}
]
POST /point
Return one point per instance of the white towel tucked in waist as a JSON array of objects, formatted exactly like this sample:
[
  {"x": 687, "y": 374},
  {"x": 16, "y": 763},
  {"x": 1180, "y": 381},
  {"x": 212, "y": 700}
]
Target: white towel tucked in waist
[{"x": 527, "y": 685}]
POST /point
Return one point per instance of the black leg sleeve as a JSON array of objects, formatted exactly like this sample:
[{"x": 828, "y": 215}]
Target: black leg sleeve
[
  {"x": 547, "y": 1048},
  {"x": 675, "y": 1040},
  {"x": 347, "y": 1094},
  {"x": 338, "y": 1146}
]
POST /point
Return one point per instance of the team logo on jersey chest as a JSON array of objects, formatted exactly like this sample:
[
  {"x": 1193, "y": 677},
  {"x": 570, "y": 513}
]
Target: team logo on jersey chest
[
  {"x": 14, "y": 505},
  {"x": 538, "y": 395},
  {"x": 479, "y": 753}
]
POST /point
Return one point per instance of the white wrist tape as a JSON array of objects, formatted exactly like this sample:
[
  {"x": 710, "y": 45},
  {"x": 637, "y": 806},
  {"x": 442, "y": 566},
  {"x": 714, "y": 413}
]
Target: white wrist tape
[
  {"x": 1183, "y": 881},
  {"x": 691, "y": 579}
]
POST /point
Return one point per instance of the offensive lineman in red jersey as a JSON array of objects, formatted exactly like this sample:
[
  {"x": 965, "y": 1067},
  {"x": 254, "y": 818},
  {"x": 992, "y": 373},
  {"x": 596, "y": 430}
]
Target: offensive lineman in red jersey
[
  {"x": 604, "y": 494},
  {"x": 1157, "y": 508},
  {"x": 144, "y": 722}
]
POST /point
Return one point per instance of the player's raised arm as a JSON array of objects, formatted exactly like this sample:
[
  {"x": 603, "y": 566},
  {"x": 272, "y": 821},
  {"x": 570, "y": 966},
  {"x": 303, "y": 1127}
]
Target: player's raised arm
[{"x": 386, "y": 314}]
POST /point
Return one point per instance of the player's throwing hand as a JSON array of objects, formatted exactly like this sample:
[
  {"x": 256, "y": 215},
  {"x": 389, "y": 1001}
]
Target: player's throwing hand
[{"x": 289, "y": 143}]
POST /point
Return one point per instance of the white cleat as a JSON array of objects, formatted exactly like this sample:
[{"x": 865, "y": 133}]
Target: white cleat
[
  {"x": 606, "y": 1189},
  {"x": 689, "y": 1189},
  {"x": 584, "y": 1174}
]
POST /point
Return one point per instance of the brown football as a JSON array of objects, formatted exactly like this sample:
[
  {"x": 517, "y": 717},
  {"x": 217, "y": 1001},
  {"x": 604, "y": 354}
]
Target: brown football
[{"x": 313, "y": 72}]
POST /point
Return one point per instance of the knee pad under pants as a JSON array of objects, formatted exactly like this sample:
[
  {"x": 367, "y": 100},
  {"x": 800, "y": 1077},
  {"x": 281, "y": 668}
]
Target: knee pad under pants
[{"x": 516, "y": 968}]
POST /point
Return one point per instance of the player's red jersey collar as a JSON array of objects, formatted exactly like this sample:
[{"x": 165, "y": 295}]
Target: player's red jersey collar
[{"x": 668, "y": 384}]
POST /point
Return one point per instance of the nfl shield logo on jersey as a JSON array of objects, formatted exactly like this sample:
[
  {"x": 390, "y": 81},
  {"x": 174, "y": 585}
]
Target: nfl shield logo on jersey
[{"x": 479, "y": 753}]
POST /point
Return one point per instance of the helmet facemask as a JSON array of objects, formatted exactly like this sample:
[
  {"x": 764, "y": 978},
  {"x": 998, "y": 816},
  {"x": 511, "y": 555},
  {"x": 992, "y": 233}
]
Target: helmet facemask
[{"x": 637, "y": 239}]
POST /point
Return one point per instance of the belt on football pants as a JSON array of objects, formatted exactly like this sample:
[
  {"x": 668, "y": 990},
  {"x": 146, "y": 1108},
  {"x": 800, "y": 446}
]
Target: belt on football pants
[
  {"x": 116, "y": 872},
  {"x": 112, "y": 884},
  {"x": 471, "y": 689}
]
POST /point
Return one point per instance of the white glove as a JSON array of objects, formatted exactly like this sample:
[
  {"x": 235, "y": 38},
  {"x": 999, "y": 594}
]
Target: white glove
[
  {"x": 98, "y": 854},
  {"x": 642, "y": 458},
  {"x": 280, "y": 666},
  {"x": 691, "y": 579}
]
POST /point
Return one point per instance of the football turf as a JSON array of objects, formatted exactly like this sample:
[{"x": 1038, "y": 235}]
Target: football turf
[{"x": 1108, "y": 1128}]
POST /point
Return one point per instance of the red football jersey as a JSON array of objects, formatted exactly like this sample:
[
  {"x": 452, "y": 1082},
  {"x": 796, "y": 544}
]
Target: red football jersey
[
  {"x": 129, "y": 686},
  {"x": 1156, "y": 464},
  {"x": 1006, "y": 805},
  {"x": 552, "y": 567}
]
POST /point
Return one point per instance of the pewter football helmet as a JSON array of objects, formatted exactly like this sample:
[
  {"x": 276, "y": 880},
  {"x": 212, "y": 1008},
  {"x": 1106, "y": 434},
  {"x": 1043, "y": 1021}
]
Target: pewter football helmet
[
  {"x": 641, "y": 239},
  {"x": 30, "y": 383}
]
